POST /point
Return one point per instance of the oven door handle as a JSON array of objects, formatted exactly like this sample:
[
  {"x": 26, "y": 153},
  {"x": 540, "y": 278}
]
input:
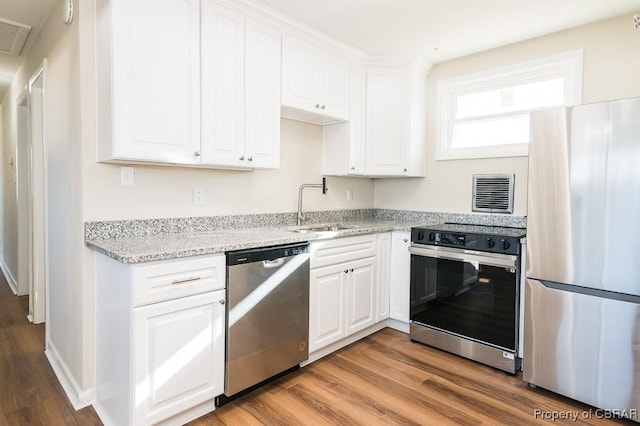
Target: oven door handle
[{"x": 505, "y": 261}]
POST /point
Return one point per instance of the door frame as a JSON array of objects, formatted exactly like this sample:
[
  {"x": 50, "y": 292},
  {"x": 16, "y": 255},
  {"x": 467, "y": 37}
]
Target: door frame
[{"x": 38, "y": 197}]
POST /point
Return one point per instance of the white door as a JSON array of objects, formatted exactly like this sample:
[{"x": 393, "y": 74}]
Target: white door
[
  {"x": 327, "y": 308},
  {"x": 333, "y": 87},
  {"x": 387, "y": 121},
  {"x": 299, "y": 75},
  {"x": 156, "y": 80},
  {"x": 178, "y": 359},
  {"x": 222, "y": 85},
  {"x": 384, "y": 276},
  {"x": 23, "y": 183},
  {"x": 361, "y": 294},
  {"x": 38, "y": 213},
  {"x": 399, "y": 298},
  {"x": 263, "y": 79}
]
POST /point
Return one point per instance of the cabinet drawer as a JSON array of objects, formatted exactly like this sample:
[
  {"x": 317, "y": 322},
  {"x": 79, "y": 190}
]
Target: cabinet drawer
[
  {"x": 339, "y": 250},
  {"x": 166, "y": 280}
]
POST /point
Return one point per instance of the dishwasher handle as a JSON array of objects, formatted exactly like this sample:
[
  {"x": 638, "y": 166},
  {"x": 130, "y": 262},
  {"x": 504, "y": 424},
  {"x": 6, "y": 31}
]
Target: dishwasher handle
[{"x": 275, "y": 263}]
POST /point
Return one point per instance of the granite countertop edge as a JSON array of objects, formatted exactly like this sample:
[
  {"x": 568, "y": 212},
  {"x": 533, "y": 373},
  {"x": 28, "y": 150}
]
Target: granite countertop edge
[{"x": 169, "y": 246}]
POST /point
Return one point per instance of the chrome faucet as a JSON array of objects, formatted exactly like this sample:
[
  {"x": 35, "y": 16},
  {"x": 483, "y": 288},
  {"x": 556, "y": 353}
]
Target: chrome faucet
[{"x": 323, "y": 185}]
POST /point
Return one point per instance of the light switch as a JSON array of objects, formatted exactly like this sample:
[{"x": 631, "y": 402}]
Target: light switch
[
  {"x": 349, "y": 194},
  {"x": 127, "y": 176}
]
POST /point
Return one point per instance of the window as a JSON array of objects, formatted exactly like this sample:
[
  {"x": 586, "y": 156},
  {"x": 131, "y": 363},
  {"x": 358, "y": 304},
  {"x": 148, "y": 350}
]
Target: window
[{"x": 487, "y": 114}]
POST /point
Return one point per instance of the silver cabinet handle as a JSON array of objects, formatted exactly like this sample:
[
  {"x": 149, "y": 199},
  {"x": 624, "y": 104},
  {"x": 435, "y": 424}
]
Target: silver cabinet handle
[
  {"x": 353, "y": 168},
  {"x": 317, "y": 105},
  {"x": 222, "y": 301},
  {"x": 346, "y": 271},
  {"x": 322, "y": 106},
  {"x": 186, "y": 280},
  {"x": 196, "y": 154},
  {"x": 406, "y": 240},
  {"x": 250, "y": 158},
  {"x": 405, "y": 170},
  {"x": 241, "y": 158}
]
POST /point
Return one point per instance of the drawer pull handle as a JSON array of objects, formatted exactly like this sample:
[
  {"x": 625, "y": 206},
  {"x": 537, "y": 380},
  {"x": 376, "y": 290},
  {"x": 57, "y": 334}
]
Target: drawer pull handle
[{"x": 186, "y": 280}]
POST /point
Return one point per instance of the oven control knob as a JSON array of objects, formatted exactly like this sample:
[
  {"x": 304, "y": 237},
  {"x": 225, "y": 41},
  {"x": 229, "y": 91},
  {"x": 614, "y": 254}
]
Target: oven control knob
[
  {"x": 491, "y": 243},
  {"x": 420, "y": 235},
  {"x": 432, "y": 236},
  {"x": 505, "y": 245}
]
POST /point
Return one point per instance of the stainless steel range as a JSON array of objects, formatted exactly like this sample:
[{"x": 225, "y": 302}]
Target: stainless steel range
[{"x": 465, "y": 291}]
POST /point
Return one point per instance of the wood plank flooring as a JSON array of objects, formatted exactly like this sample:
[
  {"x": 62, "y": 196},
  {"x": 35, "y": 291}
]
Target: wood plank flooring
[
  {"x": 30, "y": 393},
  {"x": 383, "y": 379},
  {"x": 387, "y": 379}
]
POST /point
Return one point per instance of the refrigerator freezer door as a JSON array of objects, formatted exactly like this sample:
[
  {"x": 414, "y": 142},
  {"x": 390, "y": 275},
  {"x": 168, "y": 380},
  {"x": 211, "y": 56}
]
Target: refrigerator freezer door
[
  {"x": 581, "y": 346},
  {"x": 584, "y": 195}
]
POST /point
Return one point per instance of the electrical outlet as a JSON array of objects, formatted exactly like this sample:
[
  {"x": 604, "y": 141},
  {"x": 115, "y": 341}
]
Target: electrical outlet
[
  {"x": 198, "y": 196},
  {"x": 349, "y": 194},
  {"x": 127, "y": 176}
]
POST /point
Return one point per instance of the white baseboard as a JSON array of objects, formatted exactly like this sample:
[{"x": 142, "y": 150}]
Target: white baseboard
[
  {"x": 322, "y": 352},
  {"x": 398, "y": 325},
  {"x": 78, "y": 397},
  {"x": 10, "y": 278}
]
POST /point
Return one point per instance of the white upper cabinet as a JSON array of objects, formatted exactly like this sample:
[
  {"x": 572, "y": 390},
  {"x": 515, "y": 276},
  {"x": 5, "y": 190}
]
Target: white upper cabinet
[
  {"x": 396, "y": 120},
  {"x": 147, "y": 110},
  {"x": 240, "y": 90},
  {"x": 315, "y": 85},
  {"x": 386, "y": 132},
  {"x": 343, "y": 144},
  {"x": 188, "y": 82}
]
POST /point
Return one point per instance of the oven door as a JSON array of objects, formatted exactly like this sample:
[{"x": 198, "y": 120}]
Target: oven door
[{"x": 466, "y": 293}]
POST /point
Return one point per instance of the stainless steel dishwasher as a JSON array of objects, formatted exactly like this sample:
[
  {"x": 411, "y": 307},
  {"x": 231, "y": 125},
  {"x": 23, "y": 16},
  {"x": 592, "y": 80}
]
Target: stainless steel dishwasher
[{"x": 267, "y": 314}]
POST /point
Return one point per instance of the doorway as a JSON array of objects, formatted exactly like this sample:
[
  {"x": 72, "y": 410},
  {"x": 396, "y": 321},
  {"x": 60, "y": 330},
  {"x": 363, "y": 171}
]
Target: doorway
[{"x": 31, "y": 192}]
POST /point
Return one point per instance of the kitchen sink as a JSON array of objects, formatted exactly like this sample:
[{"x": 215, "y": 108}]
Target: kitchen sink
[{"x": 321, "y": 228}]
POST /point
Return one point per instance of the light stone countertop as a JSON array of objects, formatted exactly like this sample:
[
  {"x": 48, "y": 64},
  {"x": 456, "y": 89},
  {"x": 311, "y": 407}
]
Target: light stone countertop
[{"x": 176, "y": 245}]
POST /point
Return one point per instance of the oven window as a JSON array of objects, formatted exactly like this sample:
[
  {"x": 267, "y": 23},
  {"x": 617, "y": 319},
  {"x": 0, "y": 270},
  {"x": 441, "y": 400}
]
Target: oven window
[{"x": 465, "y": 298}]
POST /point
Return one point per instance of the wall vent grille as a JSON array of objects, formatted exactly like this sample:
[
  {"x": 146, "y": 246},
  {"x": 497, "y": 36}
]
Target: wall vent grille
[
  {"x": 493, "y": 193},
  {"x": 12, "y": 37}
]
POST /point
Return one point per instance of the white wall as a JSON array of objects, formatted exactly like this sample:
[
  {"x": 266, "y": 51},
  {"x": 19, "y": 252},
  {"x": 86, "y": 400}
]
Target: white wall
[
  {"x": 168, "y": 191},
  {"x": 611, "y": 71}
]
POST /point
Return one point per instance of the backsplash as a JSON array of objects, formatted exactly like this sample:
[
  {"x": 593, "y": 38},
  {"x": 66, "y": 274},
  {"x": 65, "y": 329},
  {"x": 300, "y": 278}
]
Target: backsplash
[{"x": 103, "y": 230}]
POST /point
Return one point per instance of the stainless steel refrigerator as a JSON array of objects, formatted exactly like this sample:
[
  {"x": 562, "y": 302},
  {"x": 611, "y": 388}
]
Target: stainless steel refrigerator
[{"x": 582, "y": 294}]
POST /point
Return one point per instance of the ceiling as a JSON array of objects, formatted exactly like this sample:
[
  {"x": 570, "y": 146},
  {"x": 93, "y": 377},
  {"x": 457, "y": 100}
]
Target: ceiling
[
  {"x": 33, "y": 13},
  {"x": 444, "y": 29},
  {"x": 436, "y": 29}
]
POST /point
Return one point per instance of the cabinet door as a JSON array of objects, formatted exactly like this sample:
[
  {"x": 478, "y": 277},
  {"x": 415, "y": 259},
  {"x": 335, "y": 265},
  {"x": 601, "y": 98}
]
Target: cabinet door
[
  {"x": 299, "y": 75},
  {"x": 384, "y": 276},
  {"x": 178, "y": 355},
  {"x": 327, "y": 308},
  {"x": 263, "y": 77},
  {"x": 399, "y": 299},
  {"x": 387, "y": 122},
  {"x": 222, "y": 85},
  {"x": 361, "y": 294},
  {"x": 333, "y": 87},
  {"x": 156, "y": 107}
]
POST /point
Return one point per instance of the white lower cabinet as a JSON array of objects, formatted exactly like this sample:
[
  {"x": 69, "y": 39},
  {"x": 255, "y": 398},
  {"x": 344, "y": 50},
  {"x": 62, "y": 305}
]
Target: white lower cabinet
[
  {"x": 178, "y": 355},
  {"x": 160, "y": 338},
  {"x": 399, "y": 296},
  {"x": 349, "y": 290},
  {"x": 342, "y": 301}
]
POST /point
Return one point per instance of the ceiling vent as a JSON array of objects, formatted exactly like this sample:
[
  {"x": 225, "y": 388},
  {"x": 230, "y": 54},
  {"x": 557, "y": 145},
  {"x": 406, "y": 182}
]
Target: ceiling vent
[
  {"x": 493, "y": 193},
  {"x": 12, "y": 37}
]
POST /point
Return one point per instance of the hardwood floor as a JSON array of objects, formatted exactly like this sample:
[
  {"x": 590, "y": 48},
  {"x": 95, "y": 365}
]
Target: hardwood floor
[
  {"x": 30, "y": 394},
  {"x": 387, "y": 379},
  {"x": 383, "y": 379}
]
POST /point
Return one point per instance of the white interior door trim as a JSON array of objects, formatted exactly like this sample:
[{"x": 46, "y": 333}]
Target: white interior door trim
[{"x": 39, "y": 211}]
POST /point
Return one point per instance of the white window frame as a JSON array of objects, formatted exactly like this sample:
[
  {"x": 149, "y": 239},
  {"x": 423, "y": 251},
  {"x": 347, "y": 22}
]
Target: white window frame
[{"x": 566, "y": 65}]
